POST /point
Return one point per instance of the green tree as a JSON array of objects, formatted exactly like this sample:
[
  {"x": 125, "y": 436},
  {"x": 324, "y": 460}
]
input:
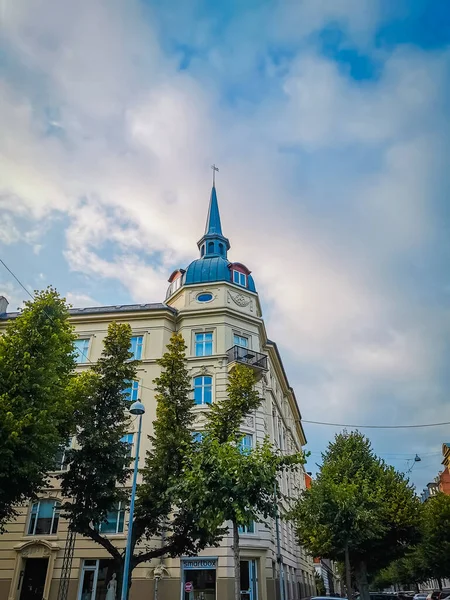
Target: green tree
[
  {"x": 227, "y": 483},
  {"x": 435, "y": 526},
  {"x": 320, "y": 585},
  {"x": 37, "y": 395},
  {"x": 99, "y": 470},
  {"x": 358, "y": 510}
]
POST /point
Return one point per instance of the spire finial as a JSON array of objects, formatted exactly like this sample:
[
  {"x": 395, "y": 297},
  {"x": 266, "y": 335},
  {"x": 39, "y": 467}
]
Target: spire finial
[{"x": 214, "y": 169}]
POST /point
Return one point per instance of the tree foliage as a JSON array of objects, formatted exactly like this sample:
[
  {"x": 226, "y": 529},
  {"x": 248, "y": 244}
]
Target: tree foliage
[
  {"x": 37, "y": 396},
  {"x": 436, "y": 535},
  {"x": 225, "y": 482},
  {"x": 99, "y": 470},
  {"x": 359, "y": 502}
]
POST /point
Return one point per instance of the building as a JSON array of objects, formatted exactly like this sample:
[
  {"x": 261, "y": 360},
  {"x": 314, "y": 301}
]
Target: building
[
  {"x": 442, "y": 480},
  {"x": 215, "y": 305}
]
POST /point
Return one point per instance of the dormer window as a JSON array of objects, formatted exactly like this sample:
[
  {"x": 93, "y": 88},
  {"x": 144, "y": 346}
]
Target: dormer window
[{"x": 239, "y": 278}]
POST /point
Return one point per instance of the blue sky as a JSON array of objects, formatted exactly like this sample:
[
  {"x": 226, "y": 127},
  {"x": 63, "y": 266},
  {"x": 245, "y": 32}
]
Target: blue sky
[{"x": 329, "y": 121}]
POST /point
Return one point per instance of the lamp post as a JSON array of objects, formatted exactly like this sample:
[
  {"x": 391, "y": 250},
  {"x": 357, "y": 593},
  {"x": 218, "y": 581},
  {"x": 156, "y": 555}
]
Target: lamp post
[{"x": 137, "y": 408}]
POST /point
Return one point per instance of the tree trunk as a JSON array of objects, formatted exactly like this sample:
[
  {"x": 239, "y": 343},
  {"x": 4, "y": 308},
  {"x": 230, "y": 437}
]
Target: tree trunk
[
  {"x": 348, "y": 574},
  {"x": 237, "y": 562},
  {"x": 439, "y": 580},
  {"x": 361, "y": 577}
]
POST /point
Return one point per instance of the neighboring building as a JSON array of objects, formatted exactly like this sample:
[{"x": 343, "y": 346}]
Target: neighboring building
[
  {"x": 327, "y": 570},
  {"x": 214, "y": 304},
  {"x": 442, "y": 481}
]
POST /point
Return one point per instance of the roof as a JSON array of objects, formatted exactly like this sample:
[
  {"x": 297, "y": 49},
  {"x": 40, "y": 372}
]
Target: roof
[
  {"x": 213, "y": 224},
  {"x": 210, "y": 269},
  {"x": 121, "y": 308}
]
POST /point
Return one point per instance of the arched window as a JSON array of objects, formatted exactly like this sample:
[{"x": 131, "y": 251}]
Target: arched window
[
  {"x": 202, "y": 252},
  {"x": 210, "y": 247},
  {"x": 221, "y": 249},
  {"x": 203, "y": 390}
]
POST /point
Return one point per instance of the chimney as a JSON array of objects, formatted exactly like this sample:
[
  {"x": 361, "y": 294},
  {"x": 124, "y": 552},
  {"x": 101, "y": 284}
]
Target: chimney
[{"x": 3, "y": 304}]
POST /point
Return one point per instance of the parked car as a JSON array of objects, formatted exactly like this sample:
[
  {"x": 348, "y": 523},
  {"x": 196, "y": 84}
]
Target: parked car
[
  {"x": 379, "y": 596},
  {"x": 439, "y": 594},
  {"x": 420, "y": 596}
]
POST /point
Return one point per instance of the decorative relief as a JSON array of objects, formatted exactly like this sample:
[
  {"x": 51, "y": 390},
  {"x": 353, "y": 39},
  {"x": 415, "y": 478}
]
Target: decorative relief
[
  {"x": 248, "y": 422},
  {"x": 239, "y": 299},
  {"x": 36, "y": 551}
]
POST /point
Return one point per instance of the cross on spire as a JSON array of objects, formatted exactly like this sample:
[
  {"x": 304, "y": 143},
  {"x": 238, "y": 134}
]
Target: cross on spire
[{"x": 214, "y": 169}]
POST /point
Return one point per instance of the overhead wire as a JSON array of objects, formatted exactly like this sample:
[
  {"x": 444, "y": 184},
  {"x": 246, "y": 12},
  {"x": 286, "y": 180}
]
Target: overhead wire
[{"x": 308, "y": 421}]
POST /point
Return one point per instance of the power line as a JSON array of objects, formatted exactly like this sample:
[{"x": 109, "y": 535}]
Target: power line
[{"x": 416, "y": 426}]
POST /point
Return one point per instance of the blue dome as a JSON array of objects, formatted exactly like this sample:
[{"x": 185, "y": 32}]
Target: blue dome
[{"x": 211, "y": 269}]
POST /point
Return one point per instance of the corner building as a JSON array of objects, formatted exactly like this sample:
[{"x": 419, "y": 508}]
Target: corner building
[{"x": 215, "y": 305}]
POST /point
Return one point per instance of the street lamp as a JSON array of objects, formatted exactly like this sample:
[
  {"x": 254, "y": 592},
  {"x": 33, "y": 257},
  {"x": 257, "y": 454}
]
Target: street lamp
[{"x": 137, "y": 408}]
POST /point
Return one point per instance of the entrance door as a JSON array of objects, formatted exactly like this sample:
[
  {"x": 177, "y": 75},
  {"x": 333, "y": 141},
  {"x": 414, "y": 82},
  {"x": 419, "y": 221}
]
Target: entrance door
[
  {"x": 203, "y": 584},
  {"x": 249, "y": 580},
  {"x": 34, "y": 579}
]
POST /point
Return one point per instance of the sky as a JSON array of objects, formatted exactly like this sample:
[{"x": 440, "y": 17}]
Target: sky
[{"x": 329, "y": 121}]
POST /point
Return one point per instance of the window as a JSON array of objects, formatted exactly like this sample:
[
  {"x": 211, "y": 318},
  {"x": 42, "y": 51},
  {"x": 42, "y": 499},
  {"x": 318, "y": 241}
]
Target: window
[
  {"x": 176, "y": 284},
  {"x": 136, "y": 347},
  {"x": 132, "y": 392},
  {"x": 203, "y": 250},
  {"x": 95, "y": 576},
  {"x": 128, "y": 439},
  {"x": 221, "y": 249},
  {"x": 61, "y": 455},
  {"x": 240, "y": 340},
  {"x": 203, "y": 344},
  {"x": 240, "y": 278},
  {"x": 81, "y": 348},
  {"x": 44, "y": 518},
  {"x": 210, "y": 247},
  {"x": 203, "y": 390},
  {"x": 246, "y": 443},
  {"x": 250, "y": 528},
  {"x": 197, "y": 436},
  {"x": 205, "y": 297},
  {"x": 114, "y": 521}
]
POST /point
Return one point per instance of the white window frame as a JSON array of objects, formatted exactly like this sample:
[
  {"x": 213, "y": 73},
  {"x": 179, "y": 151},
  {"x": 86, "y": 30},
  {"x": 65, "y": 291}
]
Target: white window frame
[
  {"x": 139, "y": 345},
  {"x": 237, "y": 337},
  {"x": 84, "y": 355},
  {"x": 59, "y": 468},
  {"x": 240, "y": 277},
  {"x": 56, "y": 509},
  {"x": 116, "y": 532},
  {"x": 202, "y": 387},
  {"x": 203, "y": 342},
  {"x": 85, "y": 568},
  {"x": 126, "y": 440},
  {"x": 244, "y": 447},
  {"x": 134, "y": 389}
]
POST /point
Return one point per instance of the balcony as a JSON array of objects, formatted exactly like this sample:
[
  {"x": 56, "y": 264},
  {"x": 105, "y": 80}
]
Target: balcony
[{"x": 250, "y": 358}]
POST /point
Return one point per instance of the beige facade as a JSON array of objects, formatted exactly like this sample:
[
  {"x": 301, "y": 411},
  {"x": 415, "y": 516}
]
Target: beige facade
[{"x": 233, "y": 317}]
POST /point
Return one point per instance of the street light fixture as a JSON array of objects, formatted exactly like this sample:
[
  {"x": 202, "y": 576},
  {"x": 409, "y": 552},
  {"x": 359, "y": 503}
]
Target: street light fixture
[{"x": 137, "y": 408}]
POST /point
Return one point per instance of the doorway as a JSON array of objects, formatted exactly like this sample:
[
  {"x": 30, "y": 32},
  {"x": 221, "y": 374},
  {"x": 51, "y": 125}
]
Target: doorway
[
  {"x": 249, "y": 580},
  {"x": 33, "y": 582},
  {"x": 203, "y": 584}
]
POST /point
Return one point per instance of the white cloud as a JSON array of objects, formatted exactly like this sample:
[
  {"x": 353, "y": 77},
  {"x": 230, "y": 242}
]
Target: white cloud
[{"x": 127, "y": 163}]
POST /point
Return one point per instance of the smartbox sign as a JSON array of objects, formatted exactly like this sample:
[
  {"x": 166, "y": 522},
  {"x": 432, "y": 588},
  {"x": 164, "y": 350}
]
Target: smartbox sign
[{"x": 199, "y": 563}]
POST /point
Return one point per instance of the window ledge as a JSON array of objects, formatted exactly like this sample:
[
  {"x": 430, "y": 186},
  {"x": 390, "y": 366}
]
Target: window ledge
[
  {"x": 26, "y": 538},
  {"x": 115, "y": 536}
]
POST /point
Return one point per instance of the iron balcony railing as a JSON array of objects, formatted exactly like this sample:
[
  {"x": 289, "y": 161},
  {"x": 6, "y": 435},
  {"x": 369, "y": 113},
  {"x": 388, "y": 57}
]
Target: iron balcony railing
[{"x": 248, "y": 357}]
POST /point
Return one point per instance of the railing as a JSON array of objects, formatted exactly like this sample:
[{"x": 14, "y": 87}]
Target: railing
[{"x": 248, "y": 357}]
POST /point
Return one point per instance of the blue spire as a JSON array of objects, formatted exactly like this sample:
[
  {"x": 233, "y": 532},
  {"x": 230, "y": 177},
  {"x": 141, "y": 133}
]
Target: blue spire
[
  {"x": 213, "y": 225},
  {"x": 213, "y": 243}
]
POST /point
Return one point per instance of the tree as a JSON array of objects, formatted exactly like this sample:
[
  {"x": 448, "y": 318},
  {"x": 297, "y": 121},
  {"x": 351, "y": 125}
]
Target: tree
[
  {"x": 226, "y": 482},
  {"x": 37, "y": 397},
  {"x": 99, "y": 467},
  {"x": 435, "y": 526},
  {"x": 358, "y": 508},
  {"x": 320, "y": 585}
]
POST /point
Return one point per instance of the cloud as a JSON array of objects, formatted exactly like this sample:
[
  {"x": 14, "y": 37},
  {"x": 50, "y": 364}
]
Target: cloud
[{"x": 330, "y": 188}]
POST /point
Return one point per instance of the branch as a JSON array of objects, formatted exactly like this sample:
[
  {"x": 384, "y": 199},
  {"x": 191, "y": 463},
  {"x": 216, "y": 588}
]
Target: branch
[
  {"x": 107, "y": 545},
  {"x": 155, "y": 553}
]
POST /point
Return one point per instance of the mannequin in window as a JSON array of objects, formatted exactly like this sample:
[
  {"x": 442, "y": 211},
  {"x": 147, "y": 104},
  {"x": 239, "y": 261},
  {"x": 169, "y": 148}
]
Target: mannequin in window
[{"x": 112, "y": 588}]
